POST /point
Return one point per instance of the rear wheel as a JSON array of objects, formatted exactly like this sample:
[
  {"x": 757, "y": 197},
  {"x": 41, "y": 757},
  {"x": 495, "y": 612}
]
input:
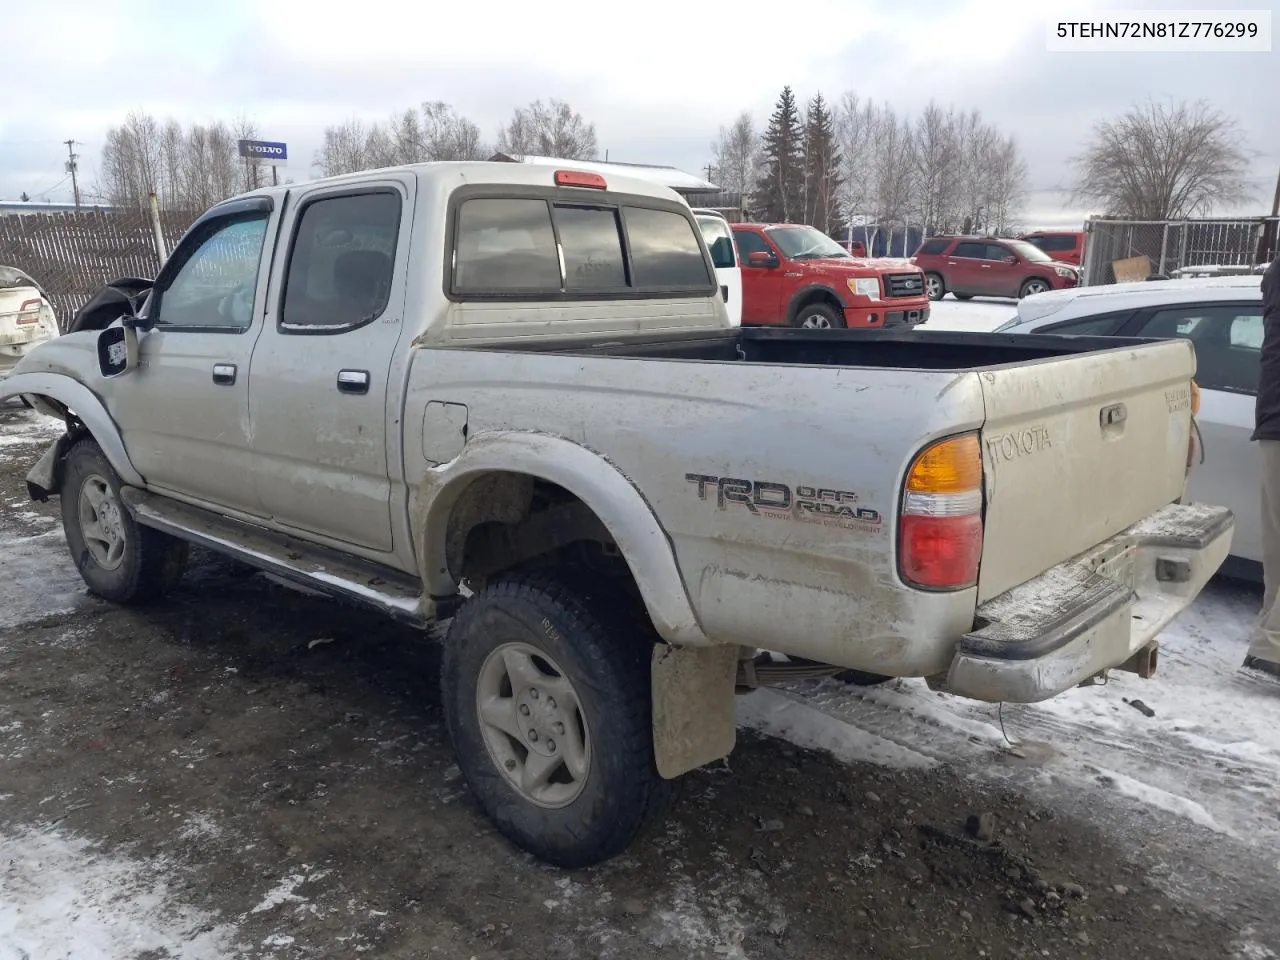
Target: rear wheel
[
  {"x": 963, "y": 296},
  {"x": 1033, "y": 286},
  {"x": 119, "y": 560},
  {"x": 819, "y": 316},
  {"x": 934, "y": 287},
  {"x": 547, "y": 699}
]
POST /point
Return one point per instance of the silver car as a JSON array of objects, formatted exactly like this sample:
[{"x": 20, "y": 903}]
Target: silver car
[{"x": 1222, "y": 316}]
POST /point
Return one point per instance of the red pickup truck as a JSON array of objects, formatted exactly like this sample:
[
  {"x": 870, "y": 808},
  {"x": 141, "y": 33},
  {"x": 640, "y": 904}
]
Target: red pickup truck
[{"x": 795, "y": 275}]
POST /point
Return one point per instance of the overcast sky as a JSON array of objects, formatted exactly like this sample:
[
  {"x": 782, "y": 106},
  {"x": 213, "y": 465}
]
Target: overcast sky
[{"x": 657, "y": 78}]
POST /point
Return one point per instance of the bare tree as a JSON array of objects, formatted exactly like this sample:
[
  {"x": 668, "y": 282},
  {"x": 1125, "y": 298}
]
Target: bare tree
[
  {"x": 892, "y": 157},
  {"x": 1006, "y": 193},
  {"x": 552, "y": 129},
  {"x": 346, "y": 149},
  {"x": 937, "y": 167},
  {"x": 735, "y": 154},
  {"x": 1164, "y": 161},
  {"x": 855, "y": 121}
]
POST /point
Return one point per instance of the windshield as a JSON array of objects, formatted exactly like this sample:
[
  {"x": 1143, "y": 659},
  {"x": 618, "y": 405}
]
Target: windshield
[
  {"x": 1028, "y": 251},
  {"x": 805, "y": 243}
]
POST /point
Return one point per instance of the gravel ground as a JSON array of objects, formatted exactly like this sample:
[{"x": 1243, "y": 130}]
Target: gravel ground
[{"x": 245, "y": 770}]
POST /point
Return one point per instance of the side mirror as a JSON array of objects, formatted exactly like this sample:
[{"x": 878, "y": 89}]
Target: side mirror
[
  {"x": 117, "y": 350},
  {"x": 1010, "y": 259},
  {"x": 762, "y": 258}
]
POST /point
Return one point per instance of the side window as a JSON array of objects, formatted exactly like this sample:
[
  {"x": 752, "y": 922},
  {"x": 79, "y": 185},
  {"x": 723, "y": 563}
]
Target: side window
[
  {"x": 1089, "y": 326},
  {"x": 216, "y": 286},
  {"x": 750, "y": 242},
  {"x": 931, "y": 248},
  {"x": 970, "y": 250},
  {"x": 505, "y": 246},
  {"x": 719, "y": 241},
  {"x": 997, "y": 252},
  {"x": 1053, "y": 244},
  {"x": 665, "y": 253},
  {"x": 342, "y": 262},
  {"x": 592, "y": 248},
  {"x": 1228, "y": 342}
]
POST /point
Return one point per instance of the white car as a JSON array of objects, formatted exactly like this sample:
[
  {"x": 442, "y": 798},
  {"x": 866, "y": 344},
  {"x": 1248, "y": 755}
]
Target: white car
[
  {"x": 26, "y": 317},
  {"x": 1222, "y": 316},
  {"x": 724, "y": 255}
]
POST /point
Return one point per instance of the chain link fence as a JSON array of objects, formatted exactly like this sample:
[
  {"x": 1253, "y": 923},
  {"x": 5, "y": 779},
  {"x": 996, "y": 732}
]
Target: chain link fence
[
  {"x": 1119, "y": 250},
  {"x": 72, "y": 254}
]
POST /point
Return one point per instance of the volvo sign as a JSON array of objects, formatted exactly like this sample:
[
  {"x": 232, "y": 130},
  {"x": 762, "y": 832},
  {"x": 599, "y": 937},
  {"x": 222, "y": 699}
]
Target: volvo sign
[{"x": 269, "y": 153}]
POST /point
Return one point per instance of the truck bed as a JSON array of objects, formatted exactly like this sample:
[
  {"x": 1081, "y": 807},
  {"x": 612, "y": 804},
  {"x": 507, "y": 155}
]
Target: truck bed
[{"x": 904, "y": 349}]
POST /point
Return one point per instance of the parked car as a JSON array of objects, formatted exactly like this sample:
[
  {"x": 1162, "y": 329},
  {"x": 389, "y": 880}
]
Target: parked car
[
  {"x": 724, "y": 255},
  {"x": 1065, "y": 246},
  {"x": 26, "y": 317},
  {"x": 795, "y": 275},
  {"x": 989, "y": 267},
  {"x": 509, "y": 397},
  {"x": 1223, "y": 318}
]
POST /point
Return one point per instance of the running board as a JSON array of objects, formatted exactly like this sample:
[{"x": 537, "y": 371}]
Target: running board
[{"x": 314, "y": 567}]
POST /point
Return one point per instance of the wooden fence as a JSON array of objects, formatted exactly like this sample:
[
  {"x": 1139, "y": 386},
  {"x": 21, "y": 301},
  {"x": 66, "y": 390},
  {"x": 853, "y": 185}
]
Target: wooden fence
[{"x": 73, "y": 254}]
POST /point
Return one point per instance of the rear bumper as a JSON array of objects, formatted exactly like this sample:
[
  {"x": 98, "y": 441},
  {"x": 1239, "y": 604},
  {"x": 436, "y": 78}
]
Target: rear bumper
[{"x": 1092, "y": 613}]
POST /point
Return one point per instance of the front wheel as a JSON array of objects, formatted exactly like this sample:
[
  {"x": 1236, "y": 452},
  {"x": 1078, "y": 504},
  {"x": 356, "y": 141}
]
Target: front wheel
[
  {"x": 819, "y": 316},
  {"x": 934, "y": 288},
  {"x": 546, "y": 696},
  {"x": 119, "y": 560},
  {"x": 1033, "y": 286}
]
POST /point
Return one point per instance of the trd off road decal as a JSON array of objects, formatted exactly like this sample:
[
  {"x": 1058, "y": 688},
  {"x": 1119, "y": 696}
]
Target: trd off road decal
[{"x": 762, "y": 498}]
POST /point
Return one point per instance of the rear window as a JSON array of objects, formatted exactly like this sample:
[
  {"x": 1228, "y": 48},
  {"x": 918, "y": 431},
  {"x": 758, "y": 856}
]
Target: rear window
[
  {"x": 665, "y": 253},
  {"x": 506, "y": 246},
  {"x": 1053, "y": 243},
  {"x": 931, "y": 248}
]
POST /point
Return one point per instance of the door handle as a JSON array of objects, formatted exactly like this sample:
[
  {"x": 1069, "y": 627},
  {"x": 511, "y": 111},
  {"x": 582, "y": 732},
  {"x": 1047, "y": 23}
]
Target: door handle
[
  {"x": 353, "y": 381},
  {"x": 986, "y": 266},
  {"x": 224, "y": 374}
]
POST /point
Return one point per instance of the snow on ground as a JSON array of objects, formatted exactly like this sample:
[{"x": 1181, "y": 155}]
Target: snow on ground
[
  {"x": 976, "y": 315},
  {"x": 1210, "y": 754},
  {"x": 59, "y": 897}
]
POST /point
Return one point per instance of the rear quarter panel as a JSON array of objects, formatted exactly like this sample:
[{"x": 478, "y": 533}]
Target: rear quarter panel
[{"x": 715, "y": 449}]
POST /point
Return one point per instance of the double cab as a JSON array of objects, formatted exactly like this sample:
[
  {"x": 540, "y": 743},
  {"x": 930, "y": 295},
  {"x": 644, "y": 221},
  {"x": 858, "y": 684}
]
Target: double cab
[{"x": 508, "y": 399}]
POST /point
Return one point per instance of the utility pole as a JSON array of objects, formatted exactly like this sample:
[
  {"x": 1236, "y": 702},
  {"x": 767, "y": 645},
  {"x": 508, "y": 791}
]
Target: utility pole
[
  {"x": 72, "y": 157},
  {"x": 710, "y": 171}
]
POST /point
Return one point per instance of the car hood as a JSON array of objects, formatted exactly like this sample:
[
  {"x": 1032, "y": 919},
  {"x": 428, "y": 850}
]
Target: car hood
[{"x": 861, "y": 264}]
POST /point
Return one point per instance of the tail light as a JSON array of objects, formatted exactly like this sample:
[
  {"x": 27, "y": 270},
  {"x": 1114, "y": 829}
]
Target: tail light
[
  {"x": 1195, "y": 447},
  {"x": 940, "y": 527},
  {"x": 29, "y": 312}
]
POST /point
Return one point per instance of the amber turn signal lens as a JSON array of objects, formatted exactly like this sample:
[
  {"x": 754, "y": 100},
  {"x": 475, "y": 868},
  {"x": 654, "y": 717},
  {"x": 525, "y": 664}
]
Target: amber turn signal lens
[
  {"x": 1195, "y": 398},
  {"x": 948, "y": 466}
]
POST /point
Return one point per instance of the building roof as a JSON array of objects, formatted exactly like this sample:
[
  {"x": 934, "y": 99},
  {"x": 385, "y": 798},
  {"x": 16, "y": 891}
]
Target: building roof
[
  {"x": 45, "y": 206},
  {"x": 663, "y": 175}
]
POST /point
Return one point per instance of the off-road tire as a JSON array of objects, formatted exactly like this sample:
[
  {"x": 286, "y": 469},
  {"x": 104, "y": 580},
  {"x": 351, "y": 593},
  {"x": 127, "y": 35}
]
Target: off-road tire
[
  {"x": 152, "y": 562},
  {"x": 603, "y": 646}
]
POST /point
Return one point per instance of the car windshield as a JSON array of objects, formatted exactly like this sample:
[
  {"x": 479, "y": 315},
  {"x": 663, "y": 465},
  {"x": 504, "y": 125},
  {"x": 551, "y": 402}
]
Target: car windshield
[
  {"x": 1028, "y": 251},
  {"x": 805, "y": 243}
]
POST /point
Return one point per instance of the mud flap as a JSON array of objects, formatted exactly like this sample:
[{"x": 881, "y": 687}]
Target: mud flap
[
  {"x": 45, "y": 478},
  {"x": 693, "y": 706}
]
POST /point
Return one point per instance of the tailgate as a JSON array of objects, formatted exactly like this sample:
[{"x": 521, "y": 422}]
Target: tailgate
[
  {"x": 11, "y": 299},
  {"x": 1076, "y": 449}
]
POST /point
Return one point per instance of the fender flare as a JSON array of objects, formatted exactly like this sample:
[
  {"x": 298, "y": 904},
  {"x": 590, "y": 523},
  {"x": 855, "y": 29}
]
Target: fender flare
[
  {"x": 84, "y": 403},
  {"x": 593, "y": 480},
  {"x": 793, "y": 304}
]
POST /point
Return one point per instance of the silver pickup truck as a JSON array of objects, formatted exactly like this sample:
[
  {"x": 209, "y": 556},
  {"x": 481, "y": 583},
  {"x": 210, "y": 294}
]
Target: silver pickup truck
[{"x": 509, "y": 397}]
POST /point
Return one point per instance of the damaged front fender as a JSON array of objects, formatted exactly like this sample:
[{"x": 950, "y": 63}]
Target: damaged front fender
[{"x": 73, "y": 402}]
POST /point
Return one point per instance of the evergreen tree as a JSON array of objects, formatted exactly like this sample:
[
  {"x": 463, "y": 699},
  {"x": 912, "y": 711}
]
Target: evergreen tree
[
  {"x": 779, "y": 196},
  {"x": 822, "y": 178}
]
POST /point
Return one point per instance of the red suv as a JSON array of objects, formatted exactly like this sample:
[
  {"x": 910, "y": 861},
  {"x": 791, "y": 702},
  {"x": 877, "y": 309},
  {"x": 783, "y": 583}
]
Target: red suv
[
  {"x": 989, "y": 267},
  {"x": 1066, "y": 246},
  {"x": 796, "y": 275}
]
